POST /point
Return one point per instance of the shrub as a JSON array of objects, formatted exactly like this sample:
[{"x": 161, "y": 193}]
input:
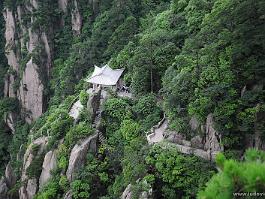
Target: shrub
[
  {"x": 183, "y": 175},
  {"x": 77, "y": 132},
  {"x": 81, "y": 190},
  {"x": 64, "y": 184},
  {"x": 49, "y": 191},
  {"x": 35, "y": 168},
  {"x": 145, "y": 106},
  {"x": 130, "y": 129},
  {"x": 83, "y": 97}
]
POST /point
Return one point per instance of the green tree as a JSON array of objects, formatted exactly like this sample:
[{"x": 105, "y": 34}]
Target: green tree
[
  {"x": 237, "y": 177},
  {"x": 182, "y": 176}
]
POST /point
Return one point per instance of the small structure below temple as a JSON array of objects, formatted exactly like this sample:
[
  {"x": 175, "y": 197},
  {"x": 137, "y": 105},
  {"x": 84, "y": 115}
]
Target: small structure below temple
[{"x": 106, "y": 77}]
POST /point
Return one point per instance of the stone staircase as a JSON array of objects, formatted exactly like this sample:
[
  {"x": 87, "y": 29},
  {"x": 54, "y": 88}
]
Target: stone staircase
[
  {"x": 96, "y": 123},
  {"x": 102, "y": 138}
]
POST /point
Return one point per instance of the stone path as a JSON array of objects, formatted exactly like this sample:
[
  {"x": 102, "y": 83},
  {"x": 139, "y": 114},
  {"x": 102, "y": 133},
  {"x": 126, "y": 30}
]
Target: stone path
[
  {"x": 158, "y": 133},
  {"x": 157, "y": 137}
]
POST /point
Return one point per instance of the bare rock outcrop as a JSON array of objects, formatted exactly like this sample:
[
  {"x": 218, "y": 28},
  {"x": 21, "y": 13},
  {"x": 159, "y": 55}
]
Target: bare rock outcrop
[
  {"x": 78, "y": 155},
  {"x": 259, "y": 128},
  {"x": 30, "y": 185},
  {"x": 10, "y": 176},
  {"x": 3, "y": 188},
  {"x": 127, "y": 194},
  {"x": 197, "y": 142},
  {"x": 68, "y": 195},
  {"x": 31, "y": 189},
  {"x": 63, "y": 5},
  {"x": 7, "y": 182},
  {"x": 11, "y": 54},
  {"x": 48, "y": 165},
  {"x": 10, "y": 119},
  {"x": 94, "y": 103},
  {"x": 76, "y": 19},
  {"x": 175, "y": 137},
  {"x": 26, "y": 82},
  {"x": 194, "y": 123},
  {"x": 10, "y": 31},
  {"x": 212, "y": 137},
  {"x": 31, "y": 92}
]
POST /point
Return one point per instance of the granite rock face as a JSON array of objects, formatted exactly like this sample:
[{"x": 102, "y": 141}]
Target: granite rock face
[
  {"x": 63, "y": 5},
  {"x": 94, "y": 103},
  {"x": 10, "y": 176},
  {"x": 127, "y": 194},
  {"x": 10, "y": 120},
  {"x": 31, "y": 93},
  {"x": 76, "y": 19},
  {"x": 25, "y": 82},
  {"x": 212, "y": 136},
  {"x": 30, "y": 185},
  {"x": 197, "y": 142},
  {"x": 49, "y": 164},
  {"x": 68, "y": 195},
  {"x": 3, "y": 188},
  {"x": 78, "y": 155}
]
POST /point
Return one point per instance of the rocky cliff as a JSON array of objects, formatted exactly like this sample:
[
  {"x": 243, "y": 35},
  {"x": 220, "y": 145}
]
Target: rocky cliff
[{"x": 29, "y": 51}]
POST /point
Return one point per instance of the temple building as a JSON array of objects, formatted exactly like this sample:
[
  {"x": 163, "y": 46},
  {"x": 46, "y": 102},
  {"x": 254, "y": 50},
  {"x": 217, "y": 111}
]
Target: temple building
[{"x": 106, "y": 77}]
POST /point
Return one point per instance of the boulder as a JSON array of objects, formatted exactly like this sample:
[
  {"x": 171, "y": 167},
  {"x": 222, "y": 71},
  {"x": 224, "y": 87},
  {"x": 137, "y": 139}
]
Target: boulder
[
  {"x": 48, "y": 165},
  {"x": 78, "y": 155},
  {"x": 186, "y": 143}
]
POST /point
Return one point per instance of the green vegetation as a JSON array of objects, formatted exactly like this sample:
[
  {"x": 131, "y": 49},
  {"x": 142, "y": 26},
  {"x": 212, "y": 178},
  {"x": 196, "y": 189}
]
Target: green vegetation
[
  {"x": 181, "y": 175},
  {"x": 182, "y": 58},
  {"x": 83, "y": 97},
  {"x": 237, "y": 177}
]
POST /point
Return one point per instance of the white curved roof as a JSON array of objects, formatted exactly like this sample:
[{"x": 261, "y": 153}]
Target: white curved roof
[{"x": 105, "y": 76}]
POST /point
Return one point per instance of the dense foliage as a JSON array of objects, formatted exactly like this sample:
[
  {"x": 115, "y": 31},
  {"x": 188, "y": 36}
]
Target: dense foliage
[
  {"x": 182, "y": 176},
  {"x": 183, "y": 59},
  {"x": 237, "y": 177}
]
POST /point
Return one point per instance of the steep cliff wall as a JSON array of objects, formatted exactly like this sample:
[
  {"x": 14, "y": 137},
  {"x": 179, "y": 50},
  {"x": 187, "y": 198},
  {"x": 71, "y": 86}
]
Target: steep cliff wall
[
  {"x": 25, "y": 42},
  {"x": 29, "y": 50}
]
